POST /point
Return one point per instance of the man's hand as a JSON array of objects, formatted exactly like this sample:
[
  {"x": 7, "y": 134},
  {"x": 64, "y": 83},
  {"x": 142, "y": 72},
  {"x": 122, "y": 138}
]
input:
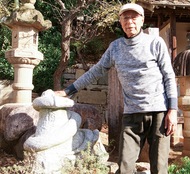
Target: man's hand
[
  {"x": 60, "y": 93},
  {"x": 171, "y": 122}
]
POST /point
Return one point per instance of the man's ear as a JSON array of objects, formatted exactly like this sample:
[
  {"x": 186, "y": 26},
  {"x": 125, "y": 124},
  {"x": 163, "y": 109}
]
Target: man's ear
[{"x": 142, "y": 22}]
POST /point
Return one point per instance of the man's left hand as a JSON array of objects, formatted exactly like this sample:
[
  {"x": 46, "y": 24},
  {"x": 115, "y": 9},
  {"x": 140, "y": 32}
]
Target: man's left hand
[{"x": 171, "y": 122}]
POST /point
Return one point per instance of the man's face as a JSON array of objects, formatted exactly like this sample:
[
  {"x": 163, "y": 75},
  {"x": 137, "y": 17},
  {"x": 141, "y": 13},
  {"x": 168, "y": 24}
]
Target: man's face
[{"x": 131, "y": 22}]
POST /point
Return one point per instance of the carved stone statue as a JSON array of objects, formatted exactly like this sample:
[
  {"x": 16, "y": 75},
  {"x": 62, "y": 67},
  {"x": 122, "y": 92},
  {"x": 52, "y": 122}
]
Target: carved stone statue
[{"x": 58, "y": 136}]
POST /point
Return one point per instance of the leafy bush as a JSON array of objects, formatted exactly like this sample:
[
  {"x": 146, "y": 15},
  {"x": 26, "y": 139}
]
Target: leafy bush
[
  {"x": 182, "y": 167},
  {"x": 50, "y": 47},
  {"x": 6, "y": 69},
  {"x": 87, "y": 163},
  {"x": 24, "y": 166}
]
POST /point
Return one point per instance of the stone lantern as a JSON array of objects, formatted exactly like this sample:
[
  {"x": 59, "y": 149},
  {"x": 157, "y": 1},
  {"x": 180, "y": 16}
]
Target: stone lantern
[
  {"x": 182, "y": 71},
  {"x": 25, "y": 24},
  {"x": 184, "y": 105}
]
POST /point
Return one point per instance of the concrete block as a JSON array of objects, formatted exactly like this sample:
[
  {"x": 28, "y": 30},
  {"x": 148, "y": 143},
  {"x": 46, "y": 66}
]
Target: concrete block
[
  {"x": 69, "y": 76},
  {"x": 91, "y": 97},
  {"x": 177, "y": 137},
  {"x": 103, "y": 80},
  {"x": 187, "y": 123},
  {"x": 187, "y": 143},
  {"x": 184, "y": 82},
  {"x": 97, "y": 87},
  {"x": 79, "y": 72},
  {"x": 184, "y": 103}
]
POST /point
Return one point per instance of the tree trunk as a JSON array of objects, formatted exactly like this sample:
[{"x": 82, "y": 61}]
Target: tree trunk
[
  {"x": 65, "y": 54},
  {"x": 85, "y": 67},
  {"x": 115, "y": 108}
]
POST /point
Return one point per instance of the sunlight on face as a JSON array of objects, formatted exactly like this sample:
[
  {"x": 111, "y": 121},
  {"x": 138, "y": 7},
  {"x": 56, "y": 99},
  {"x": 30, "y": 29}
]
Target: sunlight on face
[{"x": 131, "y": 23}]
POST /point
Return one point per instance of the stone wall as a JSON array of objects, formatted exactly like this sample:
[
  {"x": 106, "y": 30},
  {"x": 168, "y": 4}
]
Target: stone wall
[{"x": 95, "y": 94}]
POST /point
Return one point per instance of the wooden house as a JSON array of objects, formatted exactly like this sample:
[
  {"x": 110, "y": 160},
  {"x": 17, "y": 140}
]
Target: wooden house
[{"x": 172, "y": 17}]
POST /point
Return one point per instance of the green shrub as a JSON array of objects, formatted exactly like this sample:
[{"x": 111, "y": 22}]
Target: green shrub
[
  {"x": 50, "y": 47},
  {"x": 24, "y": 167},
  {"x": 181, "y": 167},
  {"x": 87, "y": 163},
  {"x": 6, "y": 69}
]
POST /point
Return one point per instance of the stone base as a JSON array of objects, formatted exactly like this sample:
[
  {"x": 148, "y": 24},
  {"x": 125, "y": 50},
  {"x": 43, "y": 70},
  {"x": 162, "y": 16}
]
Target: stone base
[
  {"x": 186, "y": 153},
  {"x": 186, "y": 147},
  {"x": 177, "y": 138},
  {"x": 177, "y": 141}
]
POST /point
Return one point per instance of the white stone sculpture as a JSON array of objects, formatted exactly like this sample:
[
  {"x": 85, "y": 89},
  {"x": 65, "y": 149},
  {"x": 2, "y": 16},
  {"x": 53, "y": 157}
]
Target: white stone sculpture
[{"x": 58, "y": 135}]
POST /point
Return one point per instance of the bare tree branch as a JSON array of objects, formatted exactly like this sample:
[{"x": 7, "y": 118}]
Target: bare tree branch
[
  {"x": 61, "y": 4},
  {"x": 80, "y": 24}
]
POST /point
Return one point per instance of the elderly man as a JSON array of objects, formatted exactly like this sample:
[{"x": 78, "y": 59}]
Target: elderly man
[{"x": 150, "y": 96}]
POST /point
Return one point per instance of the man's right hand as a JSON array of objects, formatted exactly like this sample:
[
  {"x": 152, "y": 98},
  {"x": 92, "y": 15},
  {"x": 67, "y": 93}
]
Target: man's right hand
[{"x": 60, "y": 93}]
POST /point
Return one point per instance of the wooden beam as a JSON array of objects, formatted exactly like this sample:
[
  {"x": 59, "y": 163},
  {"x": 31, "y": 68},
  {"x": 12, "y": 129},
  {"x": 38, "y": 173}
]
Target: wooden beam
[
  {"x": 115, "y": 108},
  {"x": 173, "y": 35},
  {"x": 164, "y": 24}
]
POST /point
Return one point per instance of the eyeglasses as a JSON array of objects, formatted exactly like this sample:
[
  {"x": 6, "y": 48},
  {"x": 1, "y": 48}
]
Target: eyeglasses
[{"x": 132, "y": 17}]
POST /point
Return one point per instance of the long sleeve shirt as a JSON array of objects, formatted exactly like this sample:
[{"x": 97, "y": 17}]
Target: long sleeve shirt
[{"x": 144, "y": 70}]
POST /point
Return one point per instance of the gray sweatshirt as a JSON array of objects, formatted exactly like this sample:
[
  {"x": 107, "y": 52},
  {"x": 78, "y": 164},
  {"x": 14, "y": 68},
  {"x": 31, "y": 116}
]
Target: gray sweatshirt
[{"x": 144, "y": 70}]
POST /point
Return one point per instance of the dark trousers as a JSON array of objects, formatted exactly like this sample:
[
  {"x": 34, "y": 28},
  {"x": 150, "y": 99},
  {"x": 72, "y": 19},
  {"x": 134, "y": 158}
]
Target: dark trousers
[{"x": 136, "y": 129}]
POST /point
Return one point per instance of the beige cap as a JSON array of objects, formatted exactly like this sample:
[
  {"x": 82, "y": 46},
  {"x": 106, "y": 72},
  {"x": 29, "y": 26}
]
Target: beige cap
[{"x": 132, "y": 6}]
